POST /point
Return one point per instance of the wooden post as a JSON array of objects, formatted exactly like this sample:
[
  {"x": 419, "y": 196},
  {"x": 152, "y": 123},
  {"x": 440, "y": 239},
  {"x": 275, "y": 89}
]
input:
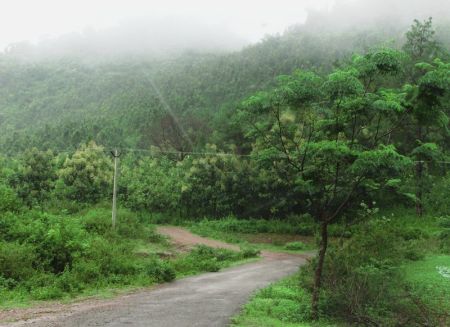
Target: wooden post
[{"x": 114, "y": 202}]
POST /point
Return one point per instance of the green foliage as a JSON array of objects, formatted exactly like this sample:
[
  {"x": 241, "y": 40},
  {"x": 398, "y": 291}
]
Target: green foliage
[
  {"x": 45, "y": 256},
  {"x": 9, "y": 199},
  {"x": 16, "y": 261},
  {"x": 283, "y": 303},
  {"x": 86, "y": 176},
  {"x": 315, "y": 144},
  {"x": 160, "y": 271},
  {"x": 364, "y": 278},
  {"x": 204, "y": 258},
  {"x": 299, "y": 226},
  {"x": 444, "y": 238},
  {"x": 35, "y": 178},
  {"x": 420, "y": 40},
  {"x": 428, "y": 282},
  {"x": 153, "y": 184},
  {"x": 295, "y": 246},
  {"x": 436, "y": 200}
]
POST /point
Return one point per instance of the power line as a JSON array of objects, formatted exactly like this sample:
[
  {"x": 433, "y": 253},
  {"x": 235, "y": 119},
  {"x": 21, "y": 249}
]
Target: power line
[
  {"x": 218, "y": 154},
  {"x": 222, "y": 154}
]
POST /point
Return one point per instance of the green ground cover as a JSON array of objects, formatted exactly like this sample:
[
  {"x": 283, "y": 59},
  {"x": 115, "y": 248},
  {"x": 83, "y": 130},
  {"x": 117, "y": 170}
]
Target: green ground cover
[
  {"x": 394, "y": 271},
  {"x": 61, "y": 257}
]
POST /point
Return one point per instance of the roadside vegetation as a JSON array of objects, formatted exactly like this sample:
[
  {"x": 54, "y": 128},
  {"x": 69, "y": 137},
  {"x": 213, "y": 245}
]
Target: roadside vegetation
[
  {"x": 389, "y": 273},
  {"x": 348, "y": 156},
  {"x": 46, "y": 256}
]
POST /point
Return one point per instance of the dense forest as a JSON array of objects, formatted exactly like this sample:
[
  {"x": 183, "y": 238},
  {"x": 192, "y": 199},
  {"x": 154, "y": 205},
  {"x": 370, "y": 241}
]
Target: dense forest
[{"x": 338, "y": 134}]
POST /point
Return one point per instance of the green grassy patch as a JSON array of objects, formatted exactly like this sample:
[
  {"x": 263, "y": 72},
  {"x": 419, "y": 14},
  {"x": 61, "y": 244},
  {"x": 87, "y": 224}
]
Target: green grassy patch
[
  {"x": 430, "y": 281},
  {"x": 283, "y": 303},
  {"x": 260, "y": 234}
]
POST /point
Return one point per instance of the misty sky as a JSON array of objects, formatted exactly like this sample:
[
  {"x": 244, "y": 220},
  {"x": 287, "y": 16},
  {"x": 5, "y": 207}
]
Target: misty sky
[
  {"x": 146, "y": 26},
  {"x": 34, "y": 20}
]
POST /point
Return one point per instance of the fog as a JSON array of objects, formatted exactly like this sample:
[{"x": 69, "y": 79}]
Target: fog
[{"x": 102, "y": 28}]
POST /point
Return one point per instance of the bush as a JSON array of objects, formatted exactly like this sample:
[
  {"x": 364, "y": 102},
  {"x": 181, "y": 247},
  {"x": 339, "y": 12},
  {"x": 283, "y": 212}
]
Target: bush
[
  {"x": 412, "y": 233},
  {"x": 159, "y": 271},
  {"x": 444, "y": 222},
  {"x": 205, "y": 258},
  {"x": 363, "y": 279},
  {"x": 47, "y": 256},
  {"x": 254, "y": 226},
  {"x": 444, "y": 240},
  {"x": 249, "y": 252},
  {"x": 16, "y": 262},
  {"x": 295, "y": 246}
]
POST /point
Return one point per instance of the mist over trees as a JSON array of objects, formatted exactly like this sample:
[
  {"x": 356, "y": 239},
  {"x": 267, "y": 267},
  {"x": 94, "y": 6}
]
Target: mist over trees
[
  {"x": 158, "y": 37},
  {"x": 315, "y": 130}
]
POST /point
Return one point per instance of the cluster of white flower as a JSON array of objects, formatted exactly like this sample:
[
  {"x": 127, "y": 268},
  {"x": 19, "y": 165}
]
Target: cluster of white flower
[{"x": 444, "y": 271}]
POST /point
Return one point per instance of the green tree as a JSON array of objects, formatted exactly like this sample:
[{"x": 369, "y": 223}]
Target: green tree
[
  {"x": 35, "y": 178},
  {"x": 86, "y": 176},
  {"x": 426, "y": 101},
  {"x": 420, "y": 40},
  {"x": 429, "y": 81},
  {"x": 333, "y": 132},
  {"x": 153, "y": 184}
]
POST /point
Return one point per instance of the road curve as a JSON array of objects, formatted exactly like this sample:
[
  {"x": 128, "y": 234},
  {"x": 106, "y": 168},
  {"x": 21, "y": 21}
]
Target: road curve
[{"x": 208, "y": 300}]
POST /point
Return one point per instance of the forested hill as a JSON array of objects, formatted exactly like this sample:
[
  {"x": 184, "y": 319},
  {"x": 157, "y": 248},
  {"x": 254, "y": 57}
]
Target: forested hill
[{"x": 180, "y": 102}]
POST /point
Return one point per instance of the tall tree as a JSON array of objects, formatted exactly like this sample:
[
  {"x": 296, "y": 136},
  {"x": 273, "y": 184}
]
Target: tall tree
[{"x": 334, "y": 132}]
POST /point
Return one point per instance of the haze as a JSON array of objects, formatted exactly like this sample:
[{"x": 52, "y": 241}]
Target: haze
[{"x": 140, "y": 27}]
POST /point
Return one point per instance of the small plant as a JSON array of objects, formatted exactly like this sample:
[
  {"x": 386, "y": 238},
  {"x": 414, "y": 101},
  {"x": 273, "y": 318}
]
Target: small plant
[
  {"x": 295, "y": 246},
  {"x": 249, "y": 252},
  {"x": 444, "y": 222},
  {"x": 160, "y": 271}
]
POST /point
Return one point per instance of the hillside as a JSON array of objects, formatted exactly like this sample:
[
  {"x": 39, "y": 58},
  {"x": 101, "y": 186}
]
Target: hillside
[{"x": 173, "y": 102}]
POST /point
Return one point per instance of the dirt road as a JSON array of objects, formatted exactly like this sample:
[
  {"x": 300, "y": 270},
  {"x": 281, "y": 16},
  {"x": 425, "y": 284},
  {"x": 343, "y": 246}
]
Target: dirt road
[{"x": 206, "y": 300}]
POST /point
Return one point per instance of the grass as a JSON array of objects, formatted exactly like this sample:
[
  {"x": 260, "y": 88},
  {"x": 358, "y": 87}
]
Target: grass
[
  {"x": 282, "y": 304},
  {"x": 430, "y": 278},
  {"x": 268, "y": 235}
]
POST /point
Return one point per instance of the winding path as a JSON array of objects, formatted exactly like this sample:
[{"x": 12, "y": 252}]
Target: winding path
[{"x": 208, "y": 300}]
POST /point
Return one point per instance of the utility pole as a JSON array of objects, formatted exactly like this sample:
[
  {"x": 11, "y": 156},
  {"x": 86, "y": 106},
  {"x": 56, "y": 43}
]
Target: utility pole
[{"x": 116, "y": 156}]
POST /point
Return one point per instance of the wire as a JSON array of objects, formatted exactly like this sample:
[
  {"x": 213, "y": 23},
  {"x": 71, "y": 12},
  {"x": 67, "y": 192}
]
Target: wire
[
  {"x": 222, "y": 154},
  {"x": 218, "y": 154}
]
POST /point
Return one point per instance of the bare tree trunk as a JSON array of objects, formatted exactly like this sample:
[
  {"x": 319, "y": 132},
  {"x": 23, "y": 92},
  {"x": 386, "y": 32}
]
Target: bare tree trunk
[{"x": 318, "y": 272}]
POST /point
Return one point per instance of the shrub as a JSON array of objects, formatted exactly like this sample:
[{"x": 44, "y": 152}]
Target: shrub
[
  {"x": 295, "y": 246},
  {"x": 51, "y": 292},
  {"x": 111, "y": 257},
  {"x": 249, "y": 252},
  {"x": 444, "y": 222},
  {"x": 413, "y": 251},
  {"x": 254, "y": 226},
  {"x": 444, "y": 240},
  {"x": 159, "y": 271},
  {"x": 98, "y": 221},
  {"x": 363, "y": 278},
  {"x": 205, "y": 258},
  {"x": 16, "y": 262},
  {"x": 412, "y": 233},
  {"x": 87, "y": 272}
]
